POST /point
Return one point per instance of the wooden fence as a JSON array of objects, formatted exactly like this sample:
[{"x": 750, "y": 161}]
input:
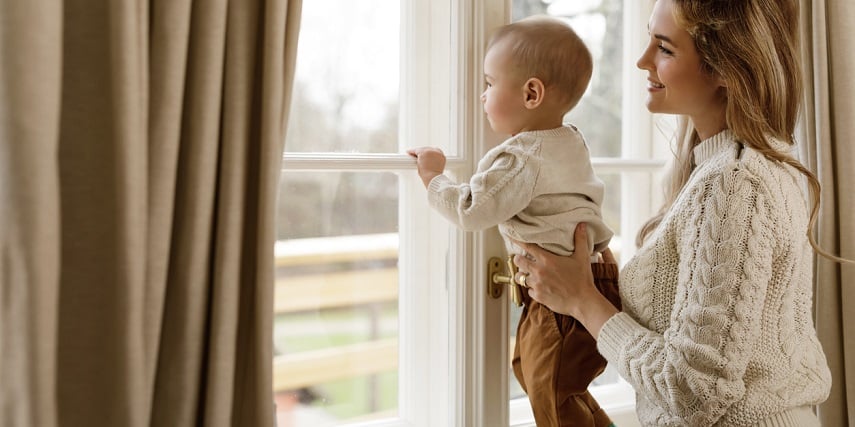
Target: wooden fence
[{"x": 373, "y": 278}]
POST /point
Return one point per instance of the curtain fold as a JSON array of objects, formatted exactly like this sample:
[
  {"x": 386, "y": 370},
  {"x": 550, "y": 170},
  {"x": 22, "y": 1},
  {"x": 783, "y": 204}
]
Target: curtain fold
[
  {"x": 829, "y": 132},
  {"x": 30, "y": 80},
  {"x": 140, "y": 155}
]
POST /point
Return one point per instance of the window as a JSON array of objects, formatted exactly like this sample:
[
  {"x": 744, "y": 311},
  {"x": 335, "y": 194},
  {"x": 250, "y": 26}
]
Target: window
[{"x": 382, "y": 315}]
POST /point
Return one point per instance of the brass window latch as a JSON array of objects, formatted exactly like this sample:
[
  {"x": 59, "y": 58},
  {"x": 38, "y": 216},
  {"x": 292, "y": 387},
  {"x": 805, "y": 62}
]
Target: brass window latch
[{"x": 496, "y": 280}]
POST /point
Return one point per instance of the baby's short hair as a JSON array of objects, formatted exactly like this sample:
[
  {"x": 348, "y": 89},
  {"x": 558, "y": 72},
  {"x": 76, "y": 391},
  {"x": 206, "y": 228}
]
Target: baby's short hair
[{"x": 547, "y": 48}]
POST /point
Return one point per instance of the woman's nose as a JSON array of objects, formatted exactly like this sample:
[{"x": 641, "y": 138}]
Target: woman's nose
[{"x": 644, "y": 60}]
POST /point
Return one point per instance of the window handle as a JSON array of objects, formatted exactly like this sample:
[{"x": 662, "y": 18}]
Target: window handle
[{"x": 497, "y": 279}]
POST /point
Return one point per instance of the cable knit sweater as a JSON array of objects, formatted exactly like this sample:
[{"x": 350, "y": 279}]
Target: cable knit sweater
[{"x": 716, "y": 327}]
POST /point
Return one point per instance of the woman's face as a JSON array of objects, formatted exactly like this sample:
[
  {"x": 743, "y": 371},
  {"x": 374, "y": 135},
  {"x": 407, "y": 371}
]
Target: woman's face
[{"x": 677, "y": 83}]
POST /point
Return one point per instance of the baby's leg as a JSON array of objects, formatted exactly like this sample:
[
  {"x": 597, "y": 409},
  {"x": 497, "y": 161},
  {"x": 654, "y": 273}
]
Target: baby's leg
[{"x": 555, "y": 360}]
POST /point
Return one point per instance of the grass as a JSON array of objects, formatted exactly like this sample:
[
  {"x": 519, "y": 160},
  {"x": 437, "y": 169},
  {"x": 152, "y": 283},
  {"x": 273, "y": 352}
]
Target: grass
[{"x": 354, "y": 397}]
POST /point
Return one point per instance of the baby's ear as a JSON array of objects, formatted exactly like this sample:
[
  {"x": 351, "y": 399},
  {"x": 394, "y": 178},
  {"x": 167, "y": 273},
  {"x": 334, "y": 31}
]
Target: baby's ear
[{"x": 534, "y": 92}]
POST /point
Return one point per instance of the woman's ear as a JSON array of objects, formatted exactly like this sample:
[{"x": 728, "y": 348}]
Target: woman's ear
[
  {"x": 722, "y": 86},
  {"x": 534, "y": 92}
]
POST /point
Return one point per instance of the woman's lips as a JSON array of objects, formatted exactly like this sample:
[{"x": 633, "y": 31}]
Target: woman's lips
[{"x": 653, "y": 85}]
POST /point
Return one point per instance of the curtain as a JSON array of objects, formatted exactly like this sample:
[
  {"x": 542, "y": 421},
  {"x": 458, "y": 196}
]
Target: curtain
[
  {"x": 829, "y": 132},
  {"x": 140, "y": 150}
]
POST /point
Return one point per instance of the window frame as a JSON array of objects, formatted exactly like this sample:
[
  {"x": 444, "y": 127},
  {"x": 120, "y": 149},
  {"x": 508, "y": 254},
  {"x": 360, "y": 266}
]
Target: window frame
[{"x": 467, "y": 325}]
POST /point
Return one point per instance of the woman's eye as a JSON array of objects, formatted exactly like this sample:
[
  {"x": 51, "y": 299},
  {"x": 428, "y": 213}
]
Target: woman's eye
[{"x": 664, "y": 50}]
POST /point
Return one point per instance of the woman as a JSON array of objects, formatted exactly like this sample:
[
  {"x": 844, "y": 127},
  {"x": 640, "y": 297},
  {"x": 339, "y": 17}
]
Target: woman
[{"x": 716, "y": 324}]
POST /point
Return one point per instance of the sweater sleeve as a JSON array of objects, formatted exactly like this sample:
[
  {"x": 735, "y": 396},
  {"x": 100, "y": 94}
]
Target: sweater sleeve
[
  {"x": 500, "y": 188},
  {"x": 693, "y": 371}
]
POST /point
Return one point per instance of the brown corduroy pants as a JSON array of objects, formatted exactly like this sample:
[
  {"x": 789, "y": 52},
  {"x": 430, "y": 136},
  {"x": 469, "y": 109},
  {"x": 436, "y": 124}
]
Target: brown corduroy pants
[{"x": 556, "y": 358}]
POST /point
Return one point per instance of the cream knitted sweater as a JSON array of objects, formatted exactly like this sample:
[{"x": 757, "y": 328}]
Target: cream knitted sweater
[{"x": 716, "y": 327}]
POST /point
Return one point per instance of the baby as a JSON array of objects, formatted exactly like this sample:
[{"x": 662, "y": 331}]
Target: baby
[{"x": 536, "y": 186}]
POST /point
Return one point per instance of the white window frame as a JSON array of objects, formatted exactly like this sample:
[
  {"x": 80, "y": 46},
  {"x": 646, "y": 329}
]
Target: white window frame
[{"x": 451, "y": 373}]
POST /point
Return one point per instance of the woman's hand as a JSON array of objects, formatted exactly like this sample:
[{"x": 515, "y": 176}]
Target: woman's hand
[{"x": 565, "y": 284}]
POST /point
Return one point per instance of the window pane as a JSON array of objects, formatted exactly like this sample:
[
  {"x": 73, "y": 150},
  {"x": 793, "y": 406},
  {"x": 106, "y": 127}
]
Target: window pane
[
  {"x": 600, "y": 24},
  {"x": 346, "y": 83},
  {"x": 336, "y": 299}
]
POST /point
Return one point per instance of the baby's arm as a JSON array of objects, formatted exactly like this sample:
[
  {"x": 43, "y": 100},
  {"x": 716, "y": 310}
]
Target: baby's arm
[{"x": 431, "y": 162}]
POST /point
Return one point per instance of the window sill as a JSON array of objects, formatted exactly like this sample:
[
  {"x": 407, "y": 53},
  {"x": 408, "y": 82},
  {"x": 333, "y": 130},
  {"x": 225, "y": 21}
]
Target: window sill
[{"x": 618, "y": 400}]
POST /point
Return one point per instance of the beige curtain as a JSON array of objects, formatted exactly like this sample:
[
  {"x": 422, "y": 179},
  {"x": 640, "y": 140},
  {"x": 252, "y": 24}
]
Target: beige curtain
[
  {"x": 829, "y": 131},
  {"x": 140, "y": 148}
]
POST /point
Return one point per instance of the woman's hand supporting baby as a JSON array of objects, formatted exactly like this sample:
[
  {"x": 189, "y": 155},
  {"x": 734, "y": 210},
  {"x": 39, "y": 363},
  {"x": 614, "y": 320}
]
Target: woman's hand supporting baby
[{"x": 565, "y": 284}]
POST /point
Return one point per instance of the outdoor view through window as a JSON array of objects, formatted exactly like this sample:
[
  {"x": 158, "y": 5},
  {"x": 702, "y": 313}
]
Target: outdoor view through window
[
  {"x": 335, "y": 330},
  {"x": 336, "y": 307}
]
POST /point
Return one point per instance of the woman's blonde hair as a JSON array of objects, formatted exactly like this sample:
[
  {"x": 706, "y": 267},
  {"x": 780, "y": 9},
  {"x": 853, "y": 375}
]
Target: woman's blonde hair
[{"x": 753, "y": 47}]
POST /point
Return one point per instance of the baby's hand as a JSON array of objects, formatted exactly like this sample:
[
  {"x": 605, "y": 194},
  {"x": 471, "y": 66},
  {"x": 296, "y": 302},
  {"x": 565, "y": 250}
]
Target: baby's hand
[{"x": 430, "y": 160}]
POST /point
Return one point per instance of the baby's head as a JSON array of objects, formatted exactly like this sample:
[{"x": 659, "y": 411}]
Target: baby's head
[{"x": 546, "y": 48}]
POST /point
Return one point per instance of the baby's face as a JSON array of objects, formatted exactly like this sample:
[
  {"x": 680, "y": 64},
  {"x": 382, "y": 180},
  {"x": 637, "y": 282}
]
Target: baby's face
[{"x": 504, "y": 93}]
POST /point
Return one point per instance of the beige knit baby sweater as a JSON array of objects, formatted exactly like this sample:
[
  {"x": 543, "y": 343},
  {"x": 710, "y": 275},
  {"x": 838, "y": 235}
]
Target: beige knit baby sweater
[
  {"x": 716, "y": 327},
  {"x": 536, "y": 186}
]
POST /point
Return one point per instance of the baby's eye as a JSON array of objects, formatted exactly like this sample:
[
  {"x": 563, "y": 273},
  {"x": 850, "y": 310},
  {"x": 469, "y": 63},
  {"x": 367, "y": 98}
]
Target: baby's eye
[{"x": 487, "y": 85}]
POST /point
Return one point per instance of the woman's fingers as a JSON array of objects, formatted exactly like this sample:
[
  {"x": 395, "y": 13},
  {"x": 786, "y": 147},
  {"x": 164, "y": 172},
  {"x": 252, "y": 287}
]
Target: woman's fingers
[
  {"x": 581, "y": 249},
  {"x": 522, "y": 261},
  {"x": 522, "y": 279},
  {"x": 609, "y": 257}
]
